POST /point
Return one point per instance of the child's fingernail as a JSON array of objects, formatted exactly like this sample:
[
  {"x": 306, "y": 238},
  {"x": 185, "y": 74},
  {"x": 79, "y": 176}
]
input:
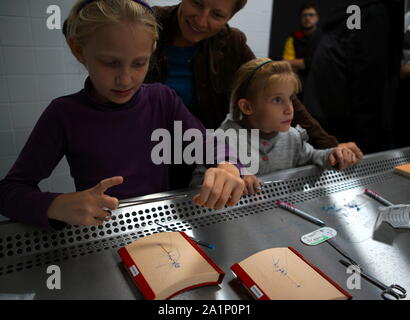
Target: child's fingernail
[{"x": 198, "y": 200}]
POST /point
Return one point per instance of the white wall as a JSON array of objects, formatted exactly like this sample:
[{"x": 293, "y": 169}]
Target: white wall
[{"x": 35, "y": 67}]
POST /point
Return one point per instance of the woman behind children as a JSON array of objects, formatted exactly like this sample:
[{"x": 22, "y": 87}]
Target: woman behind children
[
  {"x": 262, "y": 95},
  {"x": 105, "y": 129},
  {"x": 198, "y": 54}
]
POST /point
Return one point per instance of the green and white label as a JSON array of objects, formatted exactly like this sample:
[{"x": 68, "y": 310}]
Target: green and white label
[{"x": 318, "y": 236}]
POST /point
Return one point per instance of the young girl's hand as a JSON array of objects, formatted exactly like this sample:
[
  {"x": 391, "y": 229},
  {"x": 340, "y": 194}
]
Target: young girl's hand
[
  {"x": 85, "y": 207},
  {"x": 222, "y": 186},
  {"x": 252, "y": 185},
  {"x": 342, "y": 157}
]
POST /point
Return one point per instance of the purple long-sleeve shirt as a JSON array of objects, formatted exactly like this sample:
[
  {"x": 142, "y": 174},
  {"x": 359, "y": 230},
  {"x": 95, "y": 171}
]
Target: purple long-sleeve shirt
[{"x": 99, "y": 141}]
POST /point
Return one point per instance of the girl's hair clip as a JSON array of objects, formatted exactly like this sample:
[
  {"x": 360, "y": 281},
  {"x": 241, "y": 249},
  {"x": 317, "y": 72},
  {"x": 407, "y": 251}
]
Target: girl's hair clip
[
  {"x": 87, "y": 2},
  {"x": 245, "y": 84}
]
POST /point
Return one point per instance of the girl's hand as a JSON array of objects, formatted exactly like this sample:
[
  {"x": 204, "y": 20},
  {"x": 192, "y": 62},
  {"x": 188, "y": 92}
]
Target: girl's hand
[
  {"x": 85, "y": 207},
  {"x": 222, "y": 186},
  {"x": 343, "y": 158},
  {"x": 252, "y": 185}
]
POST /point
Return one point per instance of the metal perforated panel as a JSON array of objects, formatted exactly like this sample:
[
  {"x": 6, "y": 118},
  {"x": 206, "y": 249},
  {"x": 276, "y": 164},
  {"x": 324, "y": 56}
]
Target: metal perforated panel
[{"x": 23, "y": 247}]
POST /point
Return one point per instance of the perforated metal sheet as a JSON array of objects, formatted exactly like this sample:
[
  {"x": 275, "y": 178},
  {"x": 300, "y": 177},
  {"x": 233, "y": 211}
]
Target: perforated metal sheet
[{"x": 26, "y": 250}]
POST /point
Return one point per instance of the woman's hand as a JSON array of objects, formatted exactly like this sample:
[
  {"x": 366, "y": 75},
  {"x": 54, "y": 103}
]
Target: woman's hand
[
  {"x": 342, "y": 157},
  {"x": 354, "y": 148},
  {"x": 222, "y": 186},
  {"x": 85, "y": 207},
  {"x": 252, "y": 185}
]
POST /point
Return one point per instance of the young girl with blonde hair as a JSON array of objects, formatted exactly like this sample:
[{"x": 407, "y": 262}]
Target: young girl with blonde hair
[
  {"x": 105, "y": 129},
  {"x": 262, "y": 95}
]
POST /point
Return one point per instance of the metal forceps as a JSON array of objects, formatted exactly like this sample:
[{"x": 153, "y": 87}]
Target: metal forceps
[
  {"x": 130, "y": 203},
  {"x": 263, "y": 184},
  {"x": 392, "y": 292}
]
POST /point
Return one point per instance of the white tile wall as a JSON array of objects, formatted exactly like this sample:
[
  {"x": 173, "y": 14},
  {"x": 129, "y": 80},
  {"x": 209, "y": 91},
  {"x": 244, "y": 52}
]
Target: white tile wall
[
  {"x": 163, "y": 2},
  {"x": 22, "y": 114},
  {"x": 20, "y": 60},
  {"x": 74, "y": 82},
  {"x": 51, "y": 87},
  {"x": 50, "y": 60},
  {"x": 70, "y": 63},
  {"x": 38, "y": 8},
  {"x": 1, "y": 62},
  {"x": 15, "y": 31},
  {"x": 62, "y": 167},
  {"x": 60, "y": 183},
  {"x": 43, "y": 37},
  {"x": 44, "y": 185},
  {"x": 6, "y": 163},
  {"x": 35, "y": 67},
  {"x": 4, "y": 94},
  {"x": 5, "y": 118},
  {"x": 255, "y": 21},
  {"x": 20, "y": 138},
  {"x": 17, "y": 8},
  {"x": 7, "y": 148},
  {"x": 22, "y": 88}
]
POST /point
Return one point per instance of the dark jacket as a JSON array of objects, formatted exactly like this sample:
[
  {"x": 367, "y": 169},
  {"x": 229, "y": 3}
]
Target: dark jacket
[
  {"x": 353, "y": 81},
  {"x": 215, "y": 64}
]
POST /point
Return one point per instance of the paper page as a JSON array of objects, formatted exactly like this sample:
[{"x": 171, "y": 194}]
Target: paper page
[
  {"x": 281, "y": 274},
  {"x": 169, "y": 263}
]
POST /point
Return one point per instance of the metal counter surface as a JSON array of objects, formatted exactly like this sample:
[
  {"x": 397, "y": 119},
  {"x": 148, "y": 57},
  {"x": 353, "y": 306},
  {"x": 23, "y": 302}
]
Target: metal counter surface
[{"x": 92, "y": 269}]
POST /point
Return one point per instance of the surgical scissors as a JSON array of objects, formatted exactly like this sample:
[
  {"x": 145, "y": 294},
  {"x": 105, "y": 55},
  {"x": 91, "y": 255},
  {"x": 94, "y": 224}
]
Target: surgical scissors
[{"x": 392, "y": 292}]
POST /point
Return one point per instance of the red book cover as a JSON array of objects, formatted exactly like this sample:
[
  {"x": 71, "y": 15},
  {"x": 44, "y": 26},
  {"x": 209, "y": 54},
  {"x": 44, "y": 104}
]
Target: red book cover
[
  {"x": 284, "y": 274},
  {"x": 166, "y": 264},
  {"x": 249, "y": 283}
]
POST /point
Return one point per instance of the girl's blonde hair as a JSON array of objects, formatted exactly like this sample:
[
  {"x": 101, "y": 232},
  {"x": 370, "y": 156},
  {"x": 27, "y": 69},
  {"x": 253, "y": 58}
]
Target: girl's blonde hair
[
  {"x": 84, "y": 21},
  {"x": 252, "y": 77}
]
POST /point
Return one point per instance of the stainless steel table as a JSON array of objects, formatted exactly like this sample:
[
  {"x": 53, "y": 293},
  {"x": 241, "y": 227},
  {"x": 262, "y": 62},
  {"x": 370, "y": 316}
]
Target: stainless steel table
[{"x": 91, "y": 268}]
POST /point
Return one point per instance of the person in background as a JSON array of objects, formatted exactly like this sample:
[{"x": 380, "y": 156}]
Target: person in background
[
  {"x": 402, "y": 110},
  {"x": 262, "y": 95},
  {"x": 300, "y": 45},
  {"x": 353, "y": 81},
  {"x": 198, "y": 54},
  {"x": 405, "y": 67}
]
